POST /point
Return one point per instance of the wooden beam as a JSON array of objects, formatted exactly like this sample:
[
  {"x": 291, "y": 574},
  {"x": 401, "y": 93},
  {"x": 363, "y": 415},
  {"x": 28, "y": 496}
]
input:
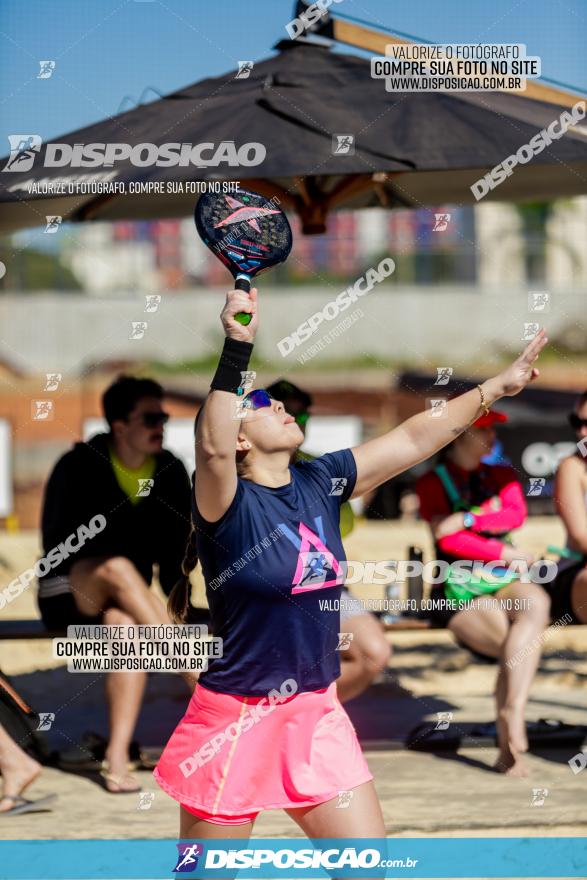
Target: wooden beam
[
  {"x": 270, "y": 188},
  {"x": 375, "y": 41},
  {"x": 537, "y": 91},
  {"x": 362, "y": 37}
]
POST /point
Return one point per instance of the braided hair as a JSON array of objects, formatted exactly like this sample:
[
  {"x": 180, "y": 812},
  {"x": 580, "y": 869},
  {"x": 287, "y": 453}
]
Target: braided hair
[{"x": 178, "y": 604}]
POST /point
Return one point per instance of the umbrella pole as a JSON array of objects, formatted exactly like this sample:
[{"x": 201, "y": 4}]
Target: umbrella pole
[{"x": 312, "y": 205}]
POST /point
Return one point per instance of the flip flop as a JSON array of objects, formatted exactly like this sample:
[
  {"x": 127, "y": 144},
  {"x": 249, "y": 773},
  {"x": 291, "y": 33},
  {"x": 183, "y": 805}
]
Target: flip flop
[
  {"x": 117, "y": 779},
  {"x": 23, "y": 805},
  {"x": 149, "y": 758}
]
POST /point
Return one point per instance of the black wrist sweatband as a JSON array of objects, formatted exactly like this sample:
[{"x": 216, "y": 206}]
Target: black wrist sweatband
[{"x": 234, "y": 361}]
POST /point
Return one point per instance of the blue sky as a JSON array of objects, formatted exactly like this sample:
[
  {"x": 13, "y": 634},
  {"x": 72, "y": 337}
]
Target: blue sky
[{"x": 107, "y": 49}]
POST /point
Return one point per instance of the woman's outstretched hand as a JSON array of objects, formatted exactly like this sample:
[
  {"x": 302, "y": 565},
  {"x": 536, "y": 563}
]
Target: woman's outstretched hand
[
  {"x": 239, "y": 301},
  {"x": 515, "y": 377}
]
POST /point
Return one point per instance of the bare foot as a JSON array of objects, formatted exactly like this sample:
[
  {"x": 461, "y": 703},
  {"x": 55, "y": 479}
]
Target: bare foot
[
  {"x": 510, "y": 764},
  {"x": 16, "y": 779},
  {"x": 513, "y": 742}
]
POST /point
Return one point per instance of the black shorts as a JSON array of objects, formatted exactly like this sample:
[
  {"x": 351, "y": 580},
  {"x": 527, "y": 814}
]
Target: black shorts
[
  {"x": 559, "y": 591},
  {"x": 59, "y": 612}
]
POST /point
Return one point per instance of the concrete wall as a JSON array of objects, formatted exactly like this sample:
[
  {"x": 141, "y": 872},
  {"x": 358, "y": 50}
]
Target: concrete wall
[{"x": 422, "y": 327}]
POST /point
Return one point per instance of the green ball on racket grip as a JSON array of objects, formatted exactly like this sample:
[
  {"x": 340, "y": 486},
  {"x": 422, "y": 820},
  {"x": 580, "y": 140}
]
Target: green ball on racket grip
[{"x": 243, "y": 282}]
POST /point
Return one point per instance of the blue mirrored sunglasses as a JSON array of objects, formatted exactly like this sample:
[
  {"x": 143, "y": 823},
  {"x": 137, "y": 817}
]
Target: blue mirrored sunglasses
[{"x": 256, "y": 399}]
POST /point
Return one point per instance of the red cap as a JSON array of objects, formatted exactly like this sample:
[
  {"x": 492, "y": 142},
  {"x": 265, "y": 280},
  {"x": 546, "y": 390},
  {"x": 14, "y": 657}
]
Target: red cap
[{"x": 487, "y": 420}]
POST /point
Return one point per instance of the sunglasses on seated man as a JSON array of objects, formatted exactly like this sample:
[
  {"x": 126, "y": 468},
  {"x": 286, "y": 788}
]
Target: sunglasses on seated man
[
  {"x": 152, "y": 419},
  {"x": 576, "y": 422}
]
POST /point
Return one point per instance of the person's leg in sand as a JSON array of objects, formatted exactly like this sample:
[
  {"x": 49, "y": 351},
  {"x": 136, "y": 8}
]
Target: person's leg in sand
[
  {"x": 115, "y": 587},
  {"x": 505, "y": 635},
  {"x": 124, "y": 695},
  {"x": 519, "y": 661},
  {"x": 18, "y": 769}
]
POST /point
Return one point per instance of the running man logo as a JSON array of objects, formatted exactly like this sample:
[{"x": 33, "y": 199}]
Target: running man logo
[
  {"x": 137, "y": 330},
  {"x": 437, "y": 407},
  {"x": 242, "y": 405},
  {"x": 443, "y": 375},
  {"x": 146, "y": 799},
  {"x": 247, "y": 381},
  {"x": 538, "y": 301},
  {"x": 46, "y": 719},
  {"x": 441, "y": 222},
  {"x": 188, "y": 855},
  {"x": 46, "y": 71},
  {"x": 344, "y": 641},
  {"x": 316, "y": 568},
  {"x": 338, "y": 485},
  {"x": 536, "y": 486},
  {"x": 530, "y": 331},
  {"x": 42, "y": 410},
  {"x": 145, "y": 487},
  {"x": 23, "y": 150},
  {"x": 244, "y": 69},
  {"x": 443, "y": 720},
  {"x": 343, "y": 144},
  {"x": 152, "y": 301},
  {"x": 53, "y": 380},
  {"x": 582, "y": 447},
  {"x": 344, "y": 800},
  {"x": 539, "y": 795},
  {"x": 53, "y": 224}
]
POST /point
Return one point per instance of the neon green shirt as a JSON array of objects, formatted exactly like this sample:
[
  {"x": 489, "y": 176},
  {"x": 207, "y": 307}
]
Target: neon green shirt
[{"x": 129, "y": 479}]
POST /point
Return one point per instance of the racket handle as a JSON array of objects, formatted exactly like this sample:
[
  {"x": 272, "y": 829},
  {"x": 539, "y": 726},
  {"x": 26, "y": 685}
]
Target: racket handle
[{"x": 243, "y": 282}]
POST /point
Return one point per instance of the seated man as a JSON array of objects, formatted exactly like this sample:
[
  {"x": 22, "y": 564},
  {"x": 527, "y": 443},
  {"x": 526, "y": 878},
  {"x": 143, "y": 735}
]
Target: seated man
[{"x": 133, "y": 499}]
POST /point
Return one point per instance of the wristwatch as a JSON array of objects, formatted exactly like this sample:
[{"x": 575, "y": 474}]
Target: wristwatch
[{"x": 468, "y": 520}]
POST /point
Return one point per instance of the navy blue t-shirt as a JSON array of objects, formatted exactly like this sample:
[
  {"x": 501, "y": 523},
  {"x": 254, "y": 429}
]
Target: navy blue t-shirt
[{"x": 268, "y": 563}]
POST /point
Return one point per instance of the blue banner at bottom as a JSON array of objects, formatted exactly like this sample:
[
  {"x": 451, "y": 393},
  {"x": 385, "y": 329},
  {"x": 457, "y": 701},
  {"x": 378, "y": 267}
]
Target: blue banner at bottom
[{"x": 289, "y": 858}]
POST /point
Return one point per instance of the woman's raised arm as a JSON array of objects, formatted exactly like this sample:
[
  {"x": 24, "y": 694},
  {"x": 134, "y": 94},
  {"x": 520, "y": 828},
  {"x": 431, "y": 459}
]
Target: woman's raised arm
[
  {"x": 218, "y": 426},
  {"x": 421, "y": 436}
]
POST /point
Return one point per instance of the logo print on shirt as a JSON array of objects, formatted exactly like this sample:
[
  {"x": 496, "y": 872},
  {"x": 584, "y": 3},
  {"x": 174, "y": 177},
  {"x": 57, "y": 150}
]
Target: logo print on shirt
[{"x": 316, "y": 567}]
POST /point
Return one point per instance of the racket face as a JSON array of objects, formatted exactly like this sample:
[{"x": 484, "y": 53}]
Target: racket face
[{"x": 248, "y": 233}]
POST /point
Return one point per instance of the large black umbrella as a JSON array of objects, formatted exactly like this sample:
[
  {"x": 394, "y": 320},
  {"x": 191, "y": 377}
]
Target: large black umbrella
[{"x": 410, "y": 149}]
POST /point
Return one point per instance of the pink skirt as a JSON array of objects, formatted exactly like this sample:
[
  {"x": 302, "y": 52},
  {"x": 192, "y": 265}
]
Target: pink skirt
[{"x": 235, "y": 756}]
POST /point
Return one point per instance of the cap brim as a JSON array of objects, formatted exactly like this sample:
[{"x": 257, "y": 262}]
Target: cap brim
[{"x": 493, "y": 417}]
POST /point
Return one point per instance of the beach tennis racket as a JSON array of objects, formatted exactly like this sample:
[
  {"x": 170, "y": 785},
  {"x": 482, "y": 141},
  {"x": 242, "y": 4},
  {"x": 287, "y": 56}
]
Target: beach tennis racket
[{"x": 248, "y": 233}]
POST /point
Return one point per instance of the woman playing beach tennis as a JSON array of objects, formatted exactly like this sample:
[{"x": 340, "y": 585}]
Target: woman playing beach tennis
[{"x": 264, "y": 728}]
